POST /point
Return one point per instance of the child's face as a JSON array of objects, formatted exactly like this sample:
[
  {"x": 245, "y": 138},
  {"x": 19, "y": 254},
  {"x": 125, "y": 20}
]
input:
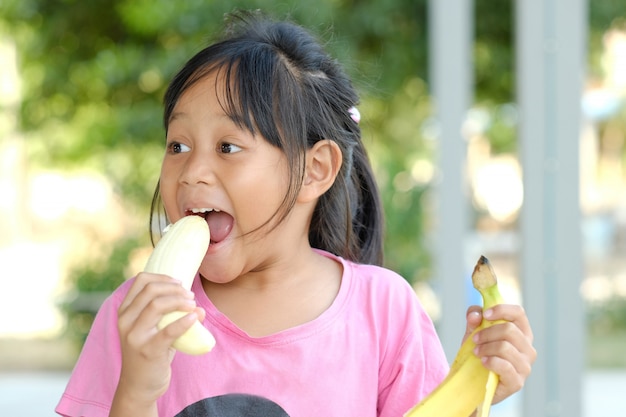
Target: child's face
[{"x": 210, "y": 163}]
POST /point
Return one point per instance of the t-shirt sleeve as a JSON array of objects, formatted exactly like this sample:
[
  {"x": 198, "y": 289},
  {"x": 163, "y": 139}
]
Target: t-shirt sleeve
[
  {"x": 412, "y": 370},
  {"x": 93, "y": 381}
]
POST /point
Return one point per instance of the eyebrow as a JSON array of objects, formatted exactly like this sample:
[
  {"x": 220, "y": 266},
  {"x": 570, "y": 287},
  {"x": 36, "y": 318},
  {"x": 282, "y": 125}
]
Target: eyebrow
[
  {"x": 183, "y": 115},
  {"x": 176, "y": 115}
]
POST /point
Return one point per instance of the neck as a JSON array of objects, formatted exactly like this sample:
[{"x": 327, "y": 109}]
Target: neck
[{"x": 280, "y": 296}]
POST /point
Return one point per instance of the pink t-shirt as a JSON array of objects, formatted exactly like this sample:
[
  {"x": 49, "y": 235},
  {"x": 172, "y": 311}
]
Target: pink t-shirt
[{"x": 374, "y": 352}]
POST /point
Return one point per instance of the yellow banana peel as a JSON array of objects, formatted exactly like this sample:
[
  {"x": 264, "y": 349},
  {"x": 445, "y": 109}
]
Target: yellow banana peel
[{"x": 469, "y": 386}]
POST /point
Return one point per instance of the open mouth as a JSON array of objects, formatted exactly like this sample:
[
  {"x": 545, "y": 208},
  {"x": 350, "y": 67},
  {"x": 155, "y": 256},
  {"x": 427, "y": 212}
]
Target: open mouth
[{"x": 220, "y": 223}]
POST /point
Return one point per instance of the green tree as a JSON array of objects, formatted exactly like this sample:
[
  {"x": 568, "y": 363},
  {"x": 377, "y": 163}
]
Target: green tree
[{"x": 95, "y": 71}]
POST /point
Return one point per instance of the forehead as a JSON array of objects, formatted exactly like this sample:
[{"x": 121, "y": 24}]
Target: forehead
[
  {"x": 201, "y": 91},
  {"x": 220, "y": 90}
]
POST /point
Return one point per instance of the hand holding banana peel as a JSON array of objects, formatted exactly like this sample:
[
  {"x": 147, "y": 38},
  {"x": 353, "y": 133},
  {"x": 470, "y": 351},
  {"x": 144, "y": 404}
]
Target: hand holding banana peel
[
  {"x": 179, "y": 254},
  {"x": 469, "y": 386}
]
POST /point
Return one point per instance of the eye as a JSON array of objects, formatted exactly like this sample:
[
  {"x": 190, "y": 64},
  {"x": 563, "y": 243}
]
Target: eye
[
  {"x": 226, "y": 147},
  {"x": 177, "y": 147}
]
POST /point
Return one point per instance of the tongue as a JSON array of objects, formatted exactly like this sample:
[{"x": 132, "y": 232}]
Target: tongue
[{"x": 220, "y": 224}]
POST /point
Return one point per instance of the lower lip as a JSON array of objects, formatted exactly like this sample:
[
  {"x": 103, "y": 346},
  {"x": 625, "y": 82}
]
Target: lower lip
[{"x": 215, "y": 246}]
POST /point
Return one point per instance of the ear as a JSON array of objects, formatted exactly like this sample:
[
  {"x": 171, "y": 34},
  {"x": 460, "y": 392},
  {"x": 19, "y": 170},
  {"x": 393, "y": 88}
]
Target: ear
[{"x": 323, "y": 162}]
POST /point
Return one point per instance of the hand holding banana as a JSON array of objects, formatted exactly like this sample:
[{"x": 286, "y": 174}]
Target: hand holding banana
[
  {"x": 469, "y": 386},
  {"x": 179, "y": 254}
]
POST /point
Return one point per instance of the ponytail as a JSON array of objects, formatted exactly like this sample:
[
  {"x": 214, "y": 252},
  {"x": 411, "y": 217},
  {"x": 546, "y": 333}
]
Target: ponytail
[{"x": 348, "y": 219}]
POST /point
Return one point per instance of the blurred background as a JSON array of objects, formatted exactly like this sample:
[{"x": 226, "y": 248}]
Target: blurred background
[{"x": 81, "y": 141}]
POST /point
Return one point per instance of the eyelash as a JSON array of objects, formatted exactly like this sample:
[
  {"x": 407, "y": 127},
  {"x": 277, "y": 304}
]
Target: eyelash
[
  {"x": 174, "y": 147},
  {"x": 224, "y": 147}
]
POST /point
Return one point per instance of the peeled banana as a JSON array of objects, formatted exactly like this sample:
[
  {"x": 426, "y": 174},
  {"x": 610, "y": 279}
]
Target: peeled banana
[
  {"x": 179, "y": 254},
  {"x": 469, "y": 386}
]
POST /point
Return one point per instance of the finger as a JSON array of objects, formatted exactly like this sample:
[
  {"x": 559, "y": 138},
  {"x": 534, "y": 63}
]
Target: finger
[
  {"x": 138, "y": 320},
  {"x": 201, "y": 313},
  {"x": 154, "y": 290},
  {"x": 474, "y": 316},
  {"x": 177, "y": 328},
  {"x": 473, "y": 320},
  {"x": 140, "y": 282},
  {"x": 511, "y": 380},
  {"x": 509, "y": 332},
  {"x": 147, "y": 314},
  {"x": 511, "y": 365},
  {"x": 158, "y": 286},
  {"x": 517, "y": 330},
  {"x": 143, "y": 334},
  {"x": 512, "y": 313},
  {"x": 507, "y": 342},
  {"x": 506, "y": 351}
]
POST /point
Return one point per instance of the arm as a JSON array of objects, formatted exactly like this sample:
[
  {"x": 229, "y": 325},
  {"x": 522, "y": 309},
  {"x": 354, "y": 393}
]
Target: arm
[
  {"x": 125, "y": 405},
  {"x": 146, "y": 352}
]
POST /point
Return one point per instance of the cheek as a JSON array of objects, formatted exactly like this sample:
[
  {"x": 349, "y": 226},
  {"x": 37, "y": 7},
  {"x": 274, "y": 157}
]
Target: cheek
[
  {"x": 264, "y": 195},
  {"x": 167, "y": 190}
]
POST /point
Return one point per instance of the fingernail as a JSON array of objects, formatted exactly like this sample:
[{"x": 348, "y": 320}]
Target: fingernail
[
  {"x": 474, "y": 314},
  {"x": 190, "y": 294},
  {"x": 488, "y": 313}
]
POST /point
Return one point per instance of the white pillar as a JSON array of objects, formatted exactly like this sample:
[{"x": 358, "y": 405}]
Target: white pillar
[
  {"x": 551, "y": 40},
  {"x": 451, "y": 74}
]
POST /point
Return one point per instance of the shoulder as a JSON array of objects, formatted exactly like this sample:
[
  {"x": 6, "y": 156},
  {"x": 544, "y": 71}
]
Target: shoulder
[
  {"x": 382, "y": 295},
  {"x": 393, "y": 305},
  {"x": 117, "y": 296},
  {"x": 411, "y": 359},
  {"x": 387, "y": 287}
]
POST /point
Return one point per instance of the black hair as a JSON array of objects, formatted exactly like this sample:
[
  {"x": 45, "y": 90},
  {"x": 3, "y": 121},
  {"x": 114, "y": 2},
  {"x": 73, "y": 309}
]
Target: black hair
[{"x": 281, "y": 84}]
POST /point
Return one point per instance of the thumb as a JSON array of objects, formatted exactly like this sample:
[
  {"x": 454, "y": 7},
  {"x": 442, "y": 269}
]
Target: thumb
[
  {"x": 474, "y": 317},
  {"x": 201, "y": 313}
]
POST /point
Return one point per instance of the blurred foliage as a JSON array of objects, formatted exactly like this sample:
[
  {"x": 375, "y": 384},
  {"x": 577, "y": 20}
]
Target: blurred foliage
[
  {"x": 94, "y": 73},
  {"x": 607, "y": 317},
  {"x": 93, "y": 282},
  {"x": 109, "y": 270},
  {"x": 606, "y": 330},
  {"x": 603, "y": 15}
]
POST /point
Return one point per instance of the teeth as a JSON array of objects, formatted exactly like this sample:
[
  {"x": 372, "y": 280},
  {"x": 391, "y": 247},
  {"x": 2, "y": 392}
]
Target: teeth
[{"x": 203, "y": 210}]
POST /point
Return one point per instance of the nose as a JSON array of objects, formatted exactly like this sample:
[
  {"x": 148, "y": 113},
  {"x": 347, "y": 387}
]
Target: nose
[{"x": 197, "y": 170}]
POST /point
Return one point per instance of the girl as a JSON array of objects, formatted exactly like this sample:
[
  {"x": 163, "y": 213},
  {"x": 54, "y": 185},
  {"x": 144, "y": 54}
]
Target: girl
[{"x": 263, "y": 141}]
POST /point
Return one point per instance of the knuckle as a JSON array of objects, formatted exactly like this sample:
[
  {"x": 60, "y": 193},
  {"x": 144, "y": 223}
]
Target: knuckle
[
  {"x": 518, "y": 384},
  {"x": 154, "y": 305},
  {"x": 152, "y": 287},
  {"x": 518, "y": 310},
  {"x": 533, "y": 355},
  {"x": 122, "y": 325},
  {"x": 133, "y": 339},
  {"x": 509, "y": 328},
  {"x": 509, "y": 350}
]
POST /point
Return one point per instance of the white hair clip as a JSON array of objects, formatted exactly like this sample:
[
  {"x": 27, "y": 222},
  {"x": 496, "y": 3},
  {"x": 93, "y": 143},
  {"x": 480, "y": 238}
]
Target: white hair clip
[{"x": 355, "y": 114}]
